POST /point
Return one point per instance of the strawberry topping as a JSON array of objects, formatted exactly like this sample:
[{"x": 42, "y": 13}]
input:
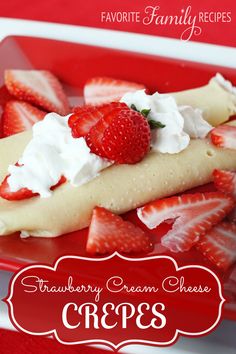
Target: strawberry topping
[
  {"x": 85, "y": 117},
  {"x": 99, "y": 90},
  {"x": 232, "y": 216},
  {"x": 81, "y": 123},
  {"x": 38, "y": 87},
  {"x": 224, "y": 136},
  {"x": 4, "y": 96},
  {"x": 109, "y": 232},
  {"x": 19, "y": 116},
  {"x": 122, "y": 135},
  {"x": 225, "y": 181},
  {"x": 127, "y": 138},
  {"x": 23, "y": 193},
  {"x": 219, "y": 245},
  {"x": 193, "y": 216}
]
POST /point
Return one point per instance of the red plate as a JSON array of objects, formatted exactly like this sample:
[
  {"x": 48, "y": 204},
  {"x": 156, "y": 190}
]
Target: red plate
[{"x": 73, "y": 64}]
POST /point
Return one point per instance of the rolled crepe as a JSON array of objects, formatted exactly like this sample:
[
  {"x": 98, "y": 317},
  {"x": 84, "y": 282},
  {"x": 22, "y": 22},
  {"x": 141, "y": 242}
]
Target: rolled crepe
[
  {"x": 216, "y": 102},
  {"x": 119, "y": 188}
]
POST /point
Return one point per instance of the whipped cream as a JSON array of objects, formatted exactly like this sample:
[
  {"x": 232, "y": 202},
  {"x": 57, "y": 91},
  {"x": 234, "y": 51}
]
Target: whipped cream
[
  {"x": 225, "y": 84},
  {"x": 52, "y": 153},
  {"x": 181, "y": 123},
  {"x": 194, "y": 123}
]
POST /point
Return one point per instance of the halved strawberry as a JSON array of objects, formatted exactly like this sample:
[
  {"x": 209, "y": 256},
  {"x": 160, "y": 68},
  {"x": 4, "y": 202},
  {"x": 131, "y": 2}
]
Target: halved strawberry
[
  {"x": 193, "y": 216},
  {"x": 225, "y": 181},
  {"x": 23, "y": 193},
  {"x": 39, "y": 87},
  {"x": 19, "y": 116},
  {"x": 224, "y": 136},
  {"x": 85, "y": 117},
  {"x": 219, "y": 245},
  {"x": 109, "y": 232},
  {"x": 100, "y": 90}
]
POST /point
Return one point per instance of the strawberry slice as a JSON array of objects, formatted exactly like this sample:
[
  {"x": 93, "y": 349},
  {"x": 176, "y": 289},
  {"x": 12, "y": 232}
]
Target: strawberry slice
[
  {"x": 19, "y": 116},
  {"x": 219, "y": 245},
  {"x": 39, "y": 87},
  {"x": 224, "y": 136},
  {"x": 225, "y": 181},
  {"x": 4, "y": 96},
  {"x": 232, "y": 216},
  {"x": 83, "y": 120},
  {"x": 85, "y": 117},
  {"x": 100, "y": 90},
  {"x": 109, "y": 232},
  {"x": 23, "y": 193},
  {"x": 193, "y": 216}
]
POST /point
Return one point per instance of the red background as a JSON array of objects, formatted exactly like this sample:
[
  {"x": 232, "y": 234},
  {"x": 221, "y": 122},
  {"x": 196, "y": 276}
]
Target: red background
[{"x": 88, "y": 13}]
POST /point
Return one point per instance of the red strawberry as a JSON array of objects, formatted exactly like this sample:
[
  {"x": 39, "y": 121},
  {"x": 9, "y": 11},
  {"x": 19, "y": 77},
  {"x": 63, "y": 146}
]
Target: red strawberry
[
  {"x": 81, "y": 123},
  {"x": 224, "y": 136},
  {"x": 23, "y": 193},
  {"x": 193, "y": 216},
  {"x": 109, "y": 232},
  {"x": 19, "y": 116},
  {"x": 95, "y": 135},
  {"x": 232, "y": 216},
  {"x": 219, "y": 245},
  {"x": 100, "y": 90},
  {"x": 123, "y": 136},
  {"x": 4, "y": 96},
  {"x": 39, "y": 87},
  {"x": 85, "y": 117},
  {"x": 225, "y": 181}
]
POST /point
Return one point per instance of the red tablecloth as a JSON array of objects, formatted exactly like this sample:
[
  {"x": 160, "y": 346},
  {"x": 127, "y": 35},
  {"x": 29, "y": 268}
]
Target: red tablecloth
[{"x": 88, "y": 13}]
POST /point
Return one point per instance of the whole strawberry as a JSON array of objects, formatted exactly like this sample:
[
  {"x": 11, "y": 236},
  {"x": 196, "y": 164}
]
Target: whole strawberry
[{"x": 127, "y": 139}]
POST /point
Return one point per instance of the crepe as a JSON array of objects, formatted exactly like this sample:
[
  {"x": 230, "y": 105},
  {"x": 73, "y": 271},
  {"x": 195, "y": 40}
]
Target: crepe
[
  {"x": 119, "y": 188},
  {"x": 216, "y": 102}
]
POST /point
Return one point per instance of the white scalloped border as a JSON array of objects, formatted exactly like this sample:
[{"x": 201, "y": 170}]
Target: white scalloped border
[{"x": 105, "y": 342}]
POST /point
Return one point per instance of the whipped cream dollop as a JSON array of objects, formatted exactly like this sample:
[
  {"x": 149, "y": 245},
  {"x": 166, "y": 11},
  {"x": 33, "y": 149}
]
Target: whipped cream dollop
[
  {"x": 52, "y": 153},
  {"x": 180, "y": 123}
]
